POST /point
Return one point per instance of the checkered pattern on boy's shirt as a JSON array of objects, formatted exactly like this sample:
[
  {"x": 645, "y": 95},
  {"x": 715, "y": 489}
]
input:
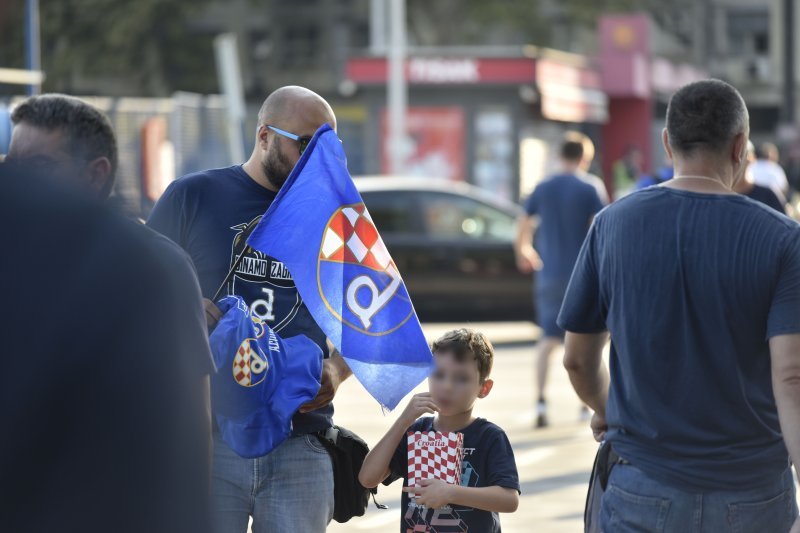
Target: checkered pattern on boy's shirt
[{"x": 434, "y": 455}]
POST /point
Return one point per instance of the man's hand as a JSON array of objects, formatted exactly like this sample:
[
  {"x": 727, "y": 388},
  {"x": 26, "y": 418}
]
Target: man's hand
[
  {"x": 528, "y": 260},
  {"x": 334, "y": 372},
  {"x": 419, "y": 405},
  {"x": 213, "y": 314},
  {"x": 432, "y": 493},
  {"x": 599, "y": 427}
]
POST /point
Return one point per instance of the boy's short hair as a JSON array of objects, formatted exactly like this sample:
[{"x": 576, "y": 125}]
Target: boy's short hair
[{"x": 466, "y": 344}]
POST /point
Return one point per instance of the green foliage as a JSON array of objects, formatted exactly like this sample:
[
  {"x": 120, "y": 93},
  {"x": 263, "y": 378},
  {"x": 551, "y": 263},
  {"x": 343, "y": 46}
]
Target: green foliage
[{"x": 144, "y": 45}]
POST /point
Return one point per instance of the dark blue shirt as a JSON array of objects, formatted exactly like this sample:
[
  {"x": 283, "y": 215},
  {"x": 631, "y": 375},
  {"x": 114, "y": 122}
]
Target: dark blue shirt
[
  {"x": 565, "y": 205},
  {"x": 767, "y": 196},
  {"x": 104, "y": 348},
  {"x": 210, "y": 214},
  {"x": 691, "y": 286},
  {"x": 488, "y": 461}
]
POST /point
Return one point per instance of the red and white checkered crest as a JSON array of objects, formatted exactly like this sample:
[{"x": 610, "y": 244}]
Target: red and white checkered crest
[
  {"x": 351, "y": 237},
  {"x": 249, "y": 364}
]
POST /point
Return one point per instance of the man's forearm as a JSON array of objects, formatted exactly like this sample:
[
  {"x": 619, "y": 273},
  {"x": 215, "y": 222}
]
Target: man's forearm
[
  {"x": 591, "y": 387},
  {"x": 785, "y": 360},
  {"x": 587, "y": 371}
]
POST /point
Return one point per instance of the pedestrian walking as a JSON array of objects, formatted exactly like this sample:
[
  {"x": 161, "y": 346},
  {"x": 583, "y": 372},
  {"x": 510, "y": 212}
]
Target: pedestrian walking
[
  {"x": 558, "y": 212},
  {"x": 703, "y": 399}
]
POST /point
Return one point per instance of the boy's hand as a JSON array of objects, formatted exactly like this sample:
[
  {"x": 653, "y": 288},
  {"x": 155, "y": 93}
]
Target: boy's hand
[
  {"x": 419, "y": 405},
  {"x": 432, "y": 493}
]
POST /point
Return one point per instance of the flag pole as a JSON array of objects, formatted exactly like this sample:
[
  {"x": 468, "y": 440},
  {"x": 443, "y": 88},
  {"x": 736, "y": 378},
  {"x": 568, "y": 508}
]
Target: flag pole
[{"x": 230, "y": 273}]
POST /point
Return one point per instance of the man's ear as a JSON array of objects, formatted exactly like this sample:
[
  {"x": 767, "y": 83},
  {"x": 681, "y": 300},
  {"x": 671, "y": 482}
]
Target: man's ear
[
  {"x": 486, "y": 388},
  {"x": 665, "y": 140},
  {"x": 262, "y": 137},
  {"x": 99, "y": 172},
  {"x": 739, "y": 150}
]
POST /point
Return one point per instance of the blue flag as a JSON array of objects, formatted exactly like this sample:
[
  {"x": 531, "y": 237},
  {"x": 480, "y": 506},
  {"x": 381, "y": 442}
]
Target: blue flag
[
  {"x": 320, "y": 229},
  {"x": 261, "y": 379}
]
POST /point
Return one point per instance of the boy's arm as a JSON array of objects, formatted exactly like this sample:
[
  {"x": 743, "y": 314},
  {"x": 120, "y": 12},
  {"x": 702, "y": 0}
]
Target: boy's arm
[
  {"x": 376, "y": 464},
  {"x": 436, "y": 493}
]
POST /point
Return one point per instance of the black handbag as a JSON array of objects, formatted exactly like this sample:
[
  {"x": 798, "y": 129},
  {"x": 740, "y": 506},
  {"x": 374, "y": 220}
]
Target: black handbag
[{"x": 347, "y": 451}]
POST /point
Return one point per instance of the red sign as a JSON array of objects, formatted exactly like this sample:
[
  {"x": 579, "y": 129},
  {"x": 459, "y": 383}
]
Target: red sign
[
  {"x": 434, "y": 143},
  {"x": 435, "y": 71}
]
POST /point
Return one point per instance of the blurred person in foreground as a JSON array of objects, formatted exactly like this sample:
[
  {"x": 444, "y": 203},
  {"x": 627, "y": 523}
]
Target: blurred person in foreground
[
  {"x": 63, "y": 137},
  {"x": 559, "y": 212},
  {"x": 211, "y": 214},
  {"x": 72, "y": 143},
  {"x": 104, "y": 388},
  {"x": 704, "y": 396},
  {"x": 766, "y": 170},
  {"x": 747, "y": 186}
]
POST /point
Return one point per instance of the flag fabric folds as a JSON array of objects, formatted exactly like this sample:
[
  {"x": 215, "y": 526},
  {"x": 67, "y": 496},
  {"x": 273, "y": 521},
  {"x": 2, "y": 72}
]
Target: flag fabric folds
[
  {"x": 319, "y": 227},
  {"x": 261, "y": 379}
]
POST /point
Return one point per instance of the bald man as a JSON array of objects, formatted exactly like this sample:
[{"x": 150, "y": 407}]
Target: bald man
[{"x": 210, "y": 214}]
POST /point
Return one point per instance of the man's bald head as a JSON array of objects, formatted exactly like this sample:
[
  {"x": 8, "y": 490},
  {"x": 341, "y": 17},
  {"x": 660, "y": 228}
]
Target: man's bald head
[
  {"x": 298, "y": 111},
  {"x": 286, "y": 105}
]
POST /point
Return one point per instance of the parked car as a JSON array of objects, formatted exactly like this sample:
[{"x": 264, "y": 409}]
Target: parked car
[{"x": 453, "y": 245}]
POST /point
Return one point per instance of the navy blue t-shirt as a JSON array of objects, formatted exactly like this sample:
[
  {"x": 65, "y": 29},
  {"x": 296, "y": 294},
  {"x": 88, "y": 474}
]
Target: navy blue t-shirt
[
  {"x": 488, "y": 461},
  {"x": 210, "y": 214},
  {"x": 767, "y": 196},
  {"x": 691, "y": 286},
  {"x": 565, "y": 205}
]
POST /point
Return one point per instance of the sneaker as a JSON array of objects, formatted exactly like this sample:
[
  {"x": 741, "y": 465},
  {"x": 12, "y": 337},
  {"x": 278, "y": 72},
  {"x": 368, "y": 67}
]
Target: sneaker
[{"x": 541, "y": 415}]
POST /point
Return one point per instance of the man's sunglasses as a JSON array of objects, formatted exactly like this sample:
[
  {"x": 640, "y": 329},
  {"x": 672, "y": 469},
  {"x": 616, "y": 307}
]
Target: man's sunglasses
[{"x": 303, "y": 141}]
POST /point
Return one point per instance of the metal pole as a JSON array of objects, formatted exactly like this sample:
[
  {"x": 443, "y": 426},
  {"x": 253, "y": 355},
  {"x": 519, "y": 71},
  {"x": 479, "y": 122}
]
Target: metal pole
[
  {"x": 377, "y": 27},
  {"x": 32, "y": 43},
  {"x": 397, "y": 89},
  {"x": 788, "y": 62},
  {"x": 230, "y": 81}
]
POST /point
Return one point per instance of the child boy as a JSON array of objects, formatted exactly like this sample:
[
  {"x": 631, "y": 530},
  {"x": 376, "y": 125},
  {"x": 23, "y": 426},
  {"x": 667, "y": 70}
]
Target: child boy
[{"x": 489, "y": 480}]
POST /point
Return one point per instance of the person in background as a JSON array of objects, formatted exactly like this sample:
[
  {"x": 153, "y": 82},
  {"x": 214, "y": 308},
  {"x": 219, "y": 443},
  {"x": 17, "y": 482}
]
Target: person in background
[
  {"x": 626, "y": 171},
  {"x": 559, "y": 212},
  {"x": 765, "y": 195},
  {"x": 767, "y": 172}
]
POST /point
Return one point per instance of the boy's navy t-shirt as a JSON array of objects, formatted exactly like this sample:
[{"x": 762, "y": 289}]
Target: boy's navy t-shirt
[
  {"x": 691, "y": 286},
  {"x": 210, "y": 214},
  {"x": 488, "y": 461},
  {"x": 565, "y": 205}
]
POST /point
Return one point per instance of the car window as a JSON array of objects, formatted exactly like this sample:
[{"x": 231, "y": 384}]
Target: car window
[
  {"x": 393, "y": 212},
  {"x": 455, "y": 216}
]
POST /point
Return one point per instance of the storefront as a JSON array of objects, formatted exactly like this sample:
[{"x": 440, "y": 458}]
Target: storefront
[
  {"x": 638, "y": 85},
  {"x": 490, "y": 121}
]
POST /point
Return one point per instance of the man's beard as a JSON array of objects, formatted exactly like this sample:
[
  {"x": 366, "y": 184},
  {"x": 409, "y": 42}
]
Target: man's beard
[{"x": 276, "y": 168}]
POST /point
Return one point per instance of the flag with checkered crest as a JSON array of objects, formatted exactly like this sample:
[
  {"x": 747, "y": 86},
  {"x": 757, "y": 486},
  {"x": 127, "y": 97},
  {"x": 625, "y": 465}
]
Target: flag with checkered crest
[{"x": 319, "y": 227}]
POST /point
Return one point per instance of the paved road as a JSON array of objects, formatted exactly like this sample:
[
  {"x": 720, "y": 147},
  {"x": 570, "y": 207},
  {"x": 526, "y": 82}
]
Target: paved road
[{"x": 554, "y": 463}]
